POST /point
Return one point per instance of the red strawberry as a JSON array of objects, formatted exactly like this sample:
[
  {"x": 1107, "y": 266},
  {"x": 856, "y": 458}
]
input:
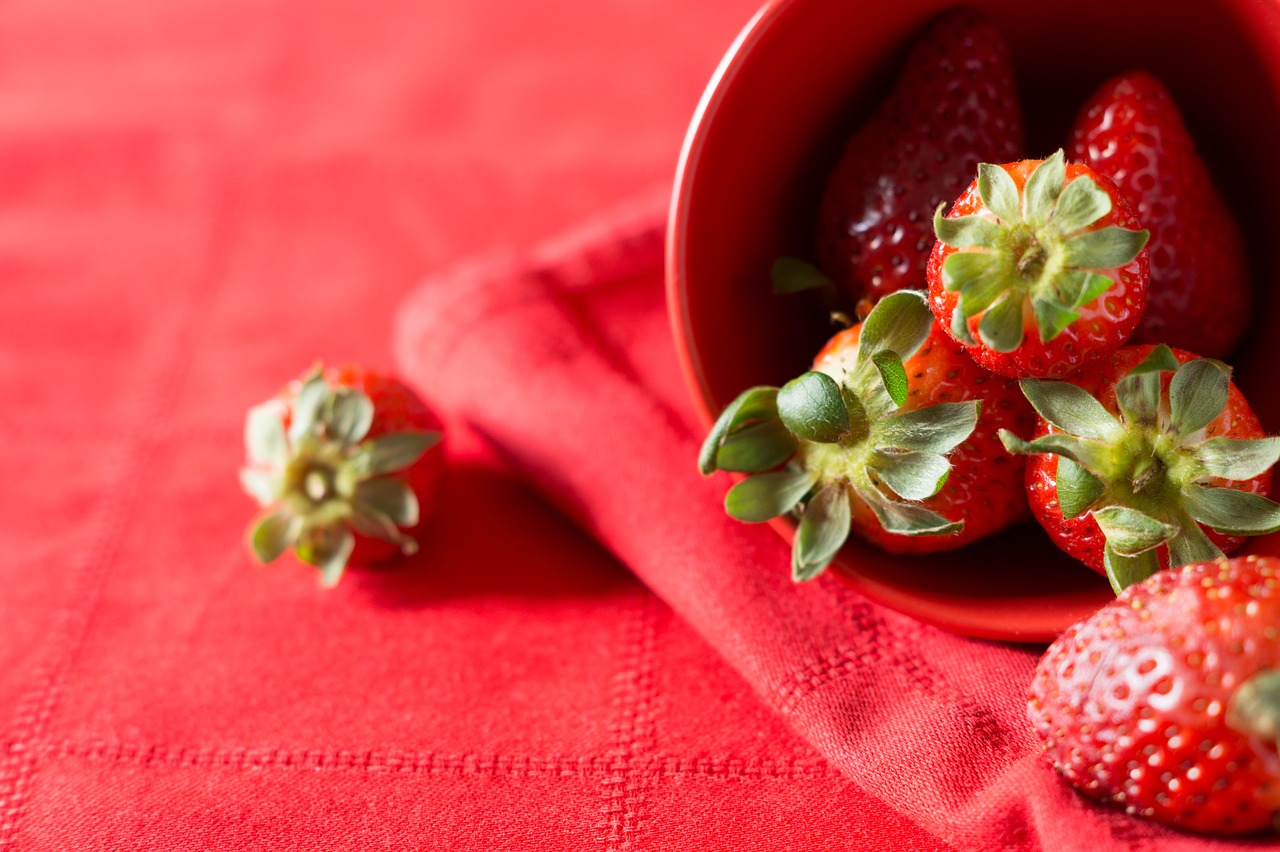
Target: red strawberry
[
  {"x": 340, "y": 461},
  {"x": 1166, "y": 702},
  {"x": 1151, "y": 459},
  {"x": 1039, "y": 268},
  {"x": 954, "y": 106},
  {"x": 1199, "y": 297},
  {"x": 893, "y": 435}
]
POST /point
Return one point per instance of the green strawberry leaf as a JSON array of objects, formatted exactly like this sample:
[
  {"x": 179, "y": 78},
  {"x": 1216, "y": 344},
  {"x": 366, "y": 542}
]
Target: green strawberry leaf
[
  {"x": 999, "y": 193},
  {"x": 1078, "y": 489},
  {"x": 911, "y": 475},
  {"x": 767, "y": 495},
  {"x": 752, "y": 405},
  {"x": 1081, "y": 203},
  {"x": 792, "y": 275},
  {"x": 390, "y": 497},
  {"x": 265, "y": 441},
  {"x": 371, "y": 523},
  {"x": 391, "y": 452},
  {"x": 1071, "y": 409},
  {"x": 859, "y": 420},
  {"x": 328, "y": 547},
  {"x": 1238, "y": 460},
  {"x": 1230, "y": 511},
  {"x": 893, "y": 375},
  {"x": 812, "y": 407},
  {"x": 975, "y": 231},
  {"x": 934, "y": 429},
  {"x": 760, "y": 446},
  {"x": 899, "y": 322},
  {"x": 963, "y": 268},
  {"x": 1197, "y": 395},
  {"x": 1043, "y": 187},
  {"x": 1094, "y": 286},
  {"x": 1254, "y": 707},
  {"x": 1106, "y": 248},
  {"x": 960, "y": 327},
  {"x": 907, "y": 518},
  {"x": 1001, "y": 326},
  {"x": 1130, "y": 532},
  {"x": 1159, "y": 360},
  {"x": 261, "y": 485},
  {"x": 1124, "y": 571},
  {"x": 1138, "y": 396},
  {"x": 1191, "y": 545},
  {"x": 1096, "y": 457},
  {"x": 1051, "y": 318},
  {"x": 824, "y": 528},
  {"x": 311, "y": 399},
  {"x": 273, "y": 534},
  {"x": 350, "y": 416},
  {"x": 976, "y": 295}
]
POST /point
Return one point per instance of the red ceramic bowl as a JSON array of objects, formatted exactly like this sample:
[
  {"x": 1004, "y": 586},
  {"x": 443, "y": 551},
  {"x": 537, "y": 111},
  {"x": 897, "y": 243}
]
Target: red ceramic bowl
[{"x": 799, "y": 78}]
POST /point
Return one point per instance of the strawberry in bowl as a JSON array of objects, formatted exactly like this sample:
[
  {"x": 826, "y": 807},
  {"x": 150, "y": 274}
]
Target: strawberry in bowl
[
  {"x": 1200, "y": 295},
  {"x": 805, "y": 77},
  {"x": 1039, "y": 268},
  {"x": 892, "y": 435},
  {"x": 1153, "y": 459},
  {"x": 953, "y": 106}
]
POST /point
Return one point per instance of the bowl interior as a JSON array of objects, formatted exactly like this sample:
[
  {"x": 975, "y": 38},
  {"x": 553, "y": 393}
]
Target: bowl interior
[{"x": 801, "y": 76}]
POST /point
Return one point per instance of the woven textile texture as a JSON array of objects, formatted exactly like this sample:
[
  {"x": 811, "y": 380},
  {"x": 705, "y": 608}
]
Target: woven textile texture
[
  {"x": 199, "y": 200},
  {"x": 563, "y": 361}
]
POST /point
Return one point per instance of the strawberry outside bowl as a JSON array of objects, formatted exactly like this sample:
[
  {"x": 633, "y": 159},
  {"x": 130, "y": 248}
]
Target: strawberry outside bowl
[{"x": 796, "y": 82}]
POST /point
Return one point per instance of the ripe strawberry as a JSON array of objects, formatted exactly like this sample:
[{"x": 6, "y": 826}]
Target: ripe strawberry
[
  {"x": 954, "y": 106},
  {"x": 883, "y": 437},
  {"x": 1199, "y": 297},
  {"x": 1039, "y": 268},
  {"x": 1166, "y": 702},
  {"x": 1149, "y": 460},
  {"x": 340, "y": 461}
]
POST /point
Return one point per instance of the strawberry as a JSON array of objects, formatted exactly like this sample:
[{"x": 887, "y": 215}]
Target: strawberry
[
  {"x": 1199, "y": 298},
  {"x": 953, "y": 106},
  {"x": 1039, "y": 267},
  {"x": 883, "y": 437},
  {"x": 1166, "y": 702},
  {"x": 1149, "y": 460},
  {"x": 340, "y": 461}
]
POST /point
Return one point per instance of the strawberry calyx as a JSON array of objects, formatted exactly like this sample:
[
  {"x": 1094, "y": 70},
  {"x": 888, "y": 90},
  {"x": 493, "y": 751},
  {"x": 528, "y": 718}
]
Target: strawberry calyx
[
  {"x": 321, "y": 480},
  {"x": 1254, "y": 708},
  {"x": 827, "y": 439},
  {"x": 1035, "y": 248},
  {"x": 1150, "y": 476}
]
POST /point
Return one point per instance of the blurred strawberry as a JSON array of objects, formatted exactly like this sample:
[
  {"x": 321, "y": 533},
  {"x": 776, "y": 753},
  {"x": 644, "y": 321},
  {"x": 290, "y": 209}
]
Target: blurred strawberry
[
  {"x": 1199, "y": 297},
  {"x": 341, "y": 461},
  {"x": 953, "y": 106}
]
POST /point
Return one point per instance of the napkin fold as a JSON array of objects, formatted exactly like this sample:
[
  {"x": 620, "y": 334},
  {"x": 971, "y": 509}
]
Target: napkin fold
[{"x": 563, "y": 359}]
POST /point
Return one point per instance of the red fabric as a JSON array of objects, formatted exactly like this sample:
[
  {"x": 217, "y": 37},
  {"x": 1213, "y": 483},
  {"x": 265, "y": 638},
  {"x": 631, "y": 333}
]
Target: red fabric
[
  {"x": 563, "y": 361},
  {"x": 198, "y": 200}
]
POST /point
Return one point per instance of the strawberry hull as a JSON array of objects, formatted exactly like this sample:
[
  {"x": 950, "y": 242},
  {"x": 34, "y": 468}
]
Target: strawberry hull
[
  {"x": 984, "y": 490},
  {"x": 1080, "y": 536}
]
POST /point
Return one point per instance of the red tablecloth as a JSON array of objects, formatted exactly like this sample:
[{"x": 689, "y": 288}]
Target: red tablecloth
[{"x": 198, "y": 200}]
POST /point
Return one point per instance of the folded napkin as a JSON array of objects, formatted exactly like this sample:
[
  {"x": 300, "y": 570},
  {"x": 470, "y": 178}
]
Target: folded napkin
[{"x": 563, "y": 360}]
